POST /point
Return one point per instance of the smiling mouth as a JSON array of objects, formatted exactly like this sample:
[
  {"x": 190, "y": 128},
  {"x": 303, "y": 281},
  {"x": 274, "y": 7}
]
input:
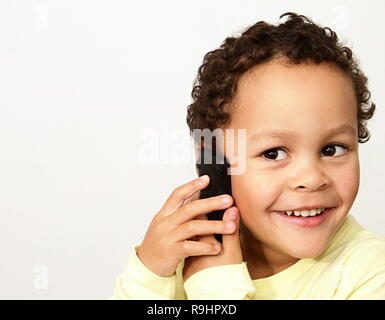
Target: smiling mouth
[
  {"x": 305, "y": 213},
  {"x": 308, "y": 221}
]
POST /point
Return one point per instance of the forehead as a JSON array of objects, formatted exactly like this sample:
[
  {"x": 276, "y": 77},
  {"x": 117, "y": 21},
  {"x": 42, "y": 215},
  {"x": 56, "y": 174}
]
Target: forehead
[{"x": 277, "y": 94}]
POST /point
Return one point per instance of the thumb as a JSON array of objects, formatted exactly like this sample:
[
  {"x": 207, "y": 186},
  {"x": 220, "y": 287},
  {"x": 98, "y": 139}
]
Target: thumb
[{"x": 231, "y": 241}]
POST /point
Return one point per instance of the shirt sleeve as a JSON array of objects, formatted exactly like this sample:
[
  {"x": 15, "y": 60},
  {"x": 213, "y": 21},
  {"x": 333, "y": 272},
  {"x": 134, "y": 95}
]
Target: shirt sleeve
[
  {"x": 226, "y": 282},
  {"x": 371, "y": 286},
  {"x": 137, "y": 282}
]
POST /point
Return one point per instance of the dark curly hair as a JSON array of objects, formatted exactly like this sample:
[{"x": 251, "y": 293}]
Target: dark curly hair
[{"x": 299, "y": 39}]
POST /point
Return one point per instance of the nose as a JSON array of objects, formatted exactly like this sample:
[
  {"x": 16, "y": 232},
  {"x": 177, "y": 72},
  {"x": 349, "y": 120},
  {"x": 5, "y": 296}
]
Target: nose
[{"x": 309, "y": 177}]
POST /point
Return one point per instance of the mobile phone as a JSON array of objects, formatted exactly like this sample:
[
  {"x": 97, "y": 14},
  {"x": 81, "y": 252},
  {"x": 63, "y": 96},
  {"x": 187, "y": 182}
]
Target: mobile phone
[{"x": 220, "y": 180}]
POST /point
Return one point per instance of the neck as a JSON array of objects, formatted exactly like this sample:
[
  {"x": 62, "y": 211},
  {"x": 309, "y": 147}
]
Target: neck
[{"x": 262, "y": 260}]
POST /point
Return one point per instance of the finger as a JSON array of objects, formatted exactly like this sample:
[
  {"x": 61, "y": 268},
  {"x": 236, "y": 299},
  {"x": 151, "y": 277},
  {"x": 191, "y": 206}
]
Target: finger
[
  {"x": 200, "y": 228},
  {"x": 183, "y": 192},
  {"x": 195, "y": 248},
  {"x": 231, "y": 241},
  {"x": 198, "y": 207},
  {"x": 194, "y": 197},
  {"x": 206, "y": 238},
  {"x": 202, "y": 217}
]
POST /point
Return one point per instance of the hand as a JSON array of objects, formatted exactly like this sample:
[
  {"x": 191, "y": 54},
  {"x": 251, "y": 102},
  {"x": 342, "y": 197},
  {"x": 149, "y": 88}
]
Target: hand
[
  {"x": 230, "y": 252},
  {"x": 164, "y": 245}
]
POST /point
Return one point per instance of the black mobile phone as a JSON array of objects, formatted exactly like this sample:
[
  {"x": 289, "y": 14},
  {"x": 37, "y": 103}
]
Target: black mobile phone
[{"x": 220, "y": 180}]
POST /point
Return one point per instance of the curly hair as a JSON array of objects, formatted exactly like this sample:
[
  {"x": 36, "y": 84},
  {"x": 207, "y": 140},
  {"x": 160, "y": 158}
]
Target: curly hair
[{"x": 299, "y": 40}]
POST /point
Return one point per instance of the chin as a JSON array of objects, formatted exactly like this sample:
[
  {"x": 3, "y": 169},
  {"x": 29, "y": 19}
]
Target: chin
[{"x": 306, "y": 251}]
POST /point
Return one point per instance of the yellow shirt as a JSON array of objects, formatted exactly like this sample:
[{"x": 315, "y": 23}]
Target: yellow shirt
[{"x": 352, "y": 267}]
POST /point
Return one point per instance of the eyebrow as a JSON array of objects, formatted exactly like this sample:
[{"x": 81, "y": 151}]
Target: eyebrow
[{"x": 263, "y": 134}]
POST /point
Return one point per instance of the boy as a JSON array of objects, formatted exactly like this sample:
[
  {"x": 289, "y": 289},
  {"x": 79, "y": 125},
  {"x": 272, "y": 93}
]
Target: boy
[{"x": 304, "y": 104}]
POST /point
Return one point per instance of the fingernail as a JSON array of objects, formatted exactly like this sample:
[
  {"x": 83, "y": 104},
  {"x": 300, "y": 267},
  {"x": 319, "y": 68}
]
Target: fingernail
[
  {"x": 226, "y": 199},
  {"x": 203, "y": 179}
]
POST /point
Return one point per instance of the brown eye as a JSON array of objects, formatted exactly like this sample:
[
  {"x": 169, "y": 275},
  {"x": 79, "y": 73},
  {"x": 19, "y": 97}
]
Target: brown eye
[
  {"x": 272, "y": 154},
  {"x": 330, "y": 150}
]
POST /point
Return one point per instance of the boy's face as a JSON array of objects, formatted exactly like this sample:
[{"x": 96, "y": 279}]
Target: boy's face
[{"x": 309, "y": 167}]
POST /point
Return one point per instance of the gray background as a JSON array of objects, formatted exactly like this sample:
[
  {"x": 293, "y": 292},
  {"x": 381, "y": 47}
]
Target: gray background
[{"x": 88, "y": 88}]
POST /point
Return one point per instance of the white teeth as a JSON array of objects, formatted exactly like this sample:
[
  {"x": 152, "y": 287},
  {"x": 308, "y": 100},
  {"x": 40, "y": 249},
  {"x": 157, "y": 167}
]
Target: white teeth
[{"x": 305, "y": 213}]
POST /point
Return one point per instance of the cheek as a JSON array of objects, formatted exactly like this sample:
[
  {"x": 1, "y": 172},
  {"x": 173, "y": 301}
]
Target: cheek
[
  {"x": 253, "y": 196},
  {"x": 253, "y": 193},
  {"x": 347, "y": 182}
]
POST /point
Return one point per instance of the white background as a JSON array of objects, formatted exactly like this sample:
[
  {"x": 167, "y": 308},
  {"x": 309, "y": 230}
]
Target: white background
[{"x": 83, "y": 84}]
